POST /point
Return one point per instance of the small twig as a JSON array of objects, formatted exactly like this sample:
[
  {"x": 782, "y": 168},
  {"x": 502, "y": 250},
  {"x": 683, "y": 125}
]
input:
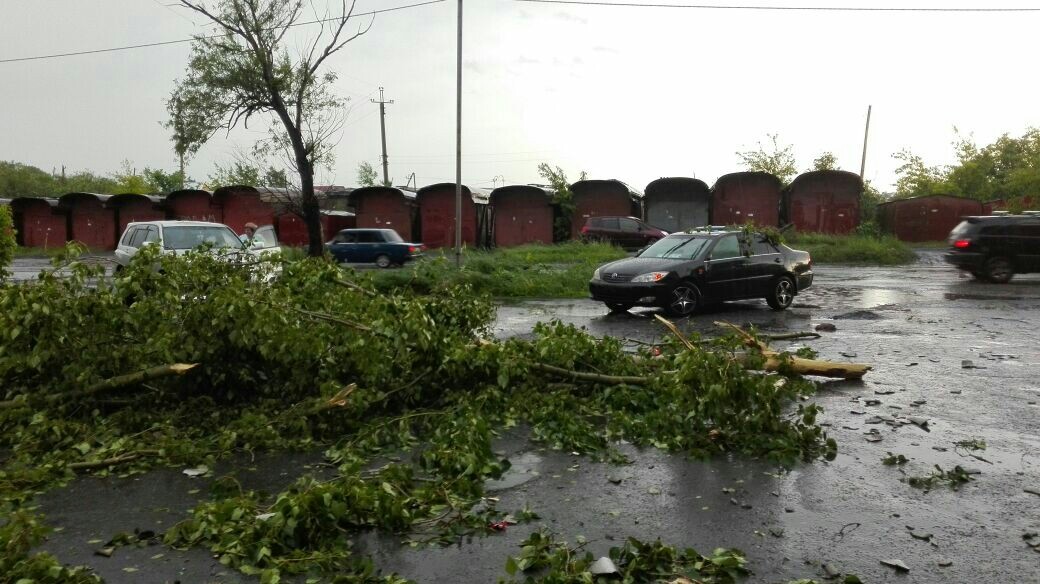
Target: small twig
[
  {"x": 356, "y": 288},
  {"x": 792, "y": 336},
  {"x": 115, "y": 460},
  {"x": 593, "y": 377},
  {"x": 841, "y": 532}
]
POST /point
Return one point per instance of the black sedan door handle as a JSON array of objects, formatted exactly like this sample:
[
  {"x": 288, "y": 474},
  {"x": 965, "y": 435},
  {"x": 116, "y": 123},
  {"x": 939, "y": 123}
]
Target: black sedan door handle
[{"x": 777, "y": 260}]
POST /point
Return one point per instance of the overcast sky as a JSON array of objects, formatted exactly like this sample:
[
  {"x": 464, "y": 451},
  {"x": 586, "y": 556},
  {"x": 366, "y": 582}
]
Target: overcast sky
[{"x": 627, "y": 93}]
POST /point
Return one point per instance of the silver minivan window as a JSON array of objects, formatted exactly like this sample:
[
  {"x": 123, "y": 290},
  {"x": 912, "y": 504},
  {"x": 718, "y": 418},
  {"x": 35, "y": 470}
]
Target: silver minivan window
[
  {"x": 190, "y": 237},
  {"x": 138, "y": 237}
]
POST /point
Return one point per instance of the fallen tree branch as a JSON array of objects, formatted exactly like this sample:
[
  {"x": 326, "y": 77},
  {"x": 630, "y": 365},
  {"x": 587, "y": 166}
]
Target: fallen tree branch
[
  {"x": 115, "y": 460},
  {"x": 355, "y": 288},
  {"x": 774, "y": 361},
  {"x": 120, "y": 381},
  {"x": 792, "y": 336},
  {"x": 592, "y": 377},
  {"x": 675, "y": 331}
]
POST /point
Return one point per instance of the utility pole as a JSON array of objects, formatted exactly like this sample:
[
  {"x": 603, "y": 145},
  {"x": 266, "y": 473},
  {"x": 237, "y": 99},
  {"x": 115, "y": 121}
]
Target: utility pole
[
  {"x": 866, "y": 133},
  {"x": 458, "y": 147},
  {"x": 382, "y": 129}
]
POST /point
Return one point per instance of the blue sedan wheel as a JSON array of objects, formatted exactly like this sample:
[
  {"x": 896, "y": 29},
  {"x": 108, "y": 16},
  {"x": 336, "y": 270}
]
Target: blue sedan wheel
[{"x": 383, "y": 261}]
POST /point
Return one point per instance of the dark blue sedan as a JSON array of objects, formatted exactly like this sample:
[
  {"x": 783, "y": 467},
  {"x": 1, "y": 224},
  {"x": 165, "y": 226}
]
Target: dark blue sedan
[{"x": 382, "y": 247}]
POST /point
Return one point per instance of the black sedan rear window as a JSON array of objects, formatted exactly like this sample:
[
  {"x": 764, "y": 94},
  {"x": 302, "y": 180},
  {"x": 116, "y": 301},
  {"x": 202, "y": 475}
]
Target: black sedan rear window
[{"x": 677, "y": 248}]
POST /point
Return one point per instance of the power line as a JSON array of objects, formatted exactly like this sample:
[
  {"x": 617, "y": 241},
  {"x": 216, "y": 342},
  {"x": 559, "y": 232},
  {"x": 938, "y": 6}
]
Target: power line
[
  {"x": 780, "y": 8},
  {"x": 181, "y": 41}
]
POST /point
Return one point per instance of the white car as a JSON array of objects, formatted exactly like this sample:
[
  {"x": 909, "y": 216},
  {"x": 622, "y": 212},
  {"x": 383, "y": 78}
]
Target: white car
[{"x": 180, "y": 237}]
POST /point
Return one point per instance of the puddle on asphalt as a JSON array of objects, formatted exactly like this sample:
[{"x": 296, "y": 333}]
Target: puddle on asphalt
[
  {"x": 524, "y": 468},
  {"x": 959, "y": 296}
]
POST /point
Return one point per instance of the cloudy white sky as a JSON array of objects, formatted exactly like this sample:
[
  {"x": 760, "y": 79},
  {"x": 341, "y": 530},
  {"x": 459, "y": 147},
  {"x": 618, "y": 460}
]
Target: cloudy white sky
[{"x": 627, "y": 93}]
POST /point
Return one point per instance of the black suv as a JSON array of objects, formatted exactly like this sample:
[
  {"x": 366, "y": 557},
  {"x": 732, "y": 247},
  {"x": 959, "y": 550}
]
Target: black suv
[
  {"x": 683, "y": 271},
  {"x": 996, "y": 248}
]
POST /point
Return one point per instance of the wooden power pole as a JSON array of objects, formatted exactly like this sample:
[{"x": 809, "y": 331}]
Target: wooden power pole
[
  {"x": 863, "y": 161},
  {"x": 382, "y": 129}
]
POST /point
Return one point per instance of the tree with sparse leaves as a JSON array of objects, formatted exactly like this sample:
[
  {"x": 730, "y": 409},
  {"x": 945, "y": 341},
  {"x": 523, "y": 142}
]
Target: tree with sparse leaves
[
  {"x": 367, "y": 175},
  {"x": 563, "y": 198},
  {"x": 249, "y": 70},
  {"x": 825, "y": 161},
  {"x": 777, "y": 160}
]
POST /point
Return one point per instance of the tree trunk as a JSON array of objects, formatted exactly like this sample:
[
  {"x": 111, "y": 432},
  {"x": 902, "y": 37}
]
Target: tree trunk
[{"x": 310, "y": 208}]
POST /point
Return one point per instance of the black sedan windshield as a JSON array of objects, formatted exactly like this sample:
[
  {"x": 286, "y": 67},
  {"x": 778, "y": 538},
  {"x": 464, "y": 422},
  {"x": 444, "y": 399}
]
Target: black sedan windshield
[{"x": 677, "y": 248}]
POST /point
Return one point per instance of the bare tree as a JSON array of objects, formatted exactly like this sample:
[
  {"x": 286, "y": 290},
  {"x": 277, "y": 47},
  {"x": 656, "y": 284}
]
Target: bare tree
[{"x": 248, "y": 70}]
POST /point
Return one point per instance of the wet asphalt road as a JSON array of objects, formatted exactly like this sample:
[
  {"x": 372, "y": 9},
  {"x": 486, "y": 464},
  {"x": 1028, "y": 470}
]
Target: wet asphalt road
[{"x": 915, "y": 325}]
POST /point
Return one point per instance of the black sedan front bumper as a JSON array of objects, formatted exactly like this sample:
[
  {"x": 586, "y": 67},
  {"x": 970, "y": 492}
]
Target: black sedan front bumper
[{"x": 648, "y": 294}]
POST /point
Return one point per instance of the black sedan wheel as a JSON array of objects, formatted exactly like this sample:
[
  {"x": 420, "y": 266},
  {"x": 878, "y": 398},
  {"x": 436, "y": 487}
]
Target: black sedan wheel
[
  {"x": 616, "y": 307},
  {"x": 783, "y": 294},
  {"x": 684, "y": 300},
  {"x": 999, "y": 270},
  {"x": 383, "y": 261}
]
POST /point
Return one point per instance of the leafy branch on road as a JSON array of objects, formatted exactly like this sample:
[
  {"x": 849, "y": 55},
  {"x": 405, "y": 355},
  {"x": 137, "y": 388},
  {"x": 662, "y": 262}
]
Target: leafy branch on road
[{"x": 405, "y": 406}]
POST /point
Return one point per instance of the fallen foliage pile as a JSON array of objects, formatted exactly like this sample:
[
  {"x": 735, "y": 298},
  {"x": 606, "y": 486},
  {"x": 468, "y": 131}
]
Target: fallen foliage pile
[{"x": 205, "y": 357}]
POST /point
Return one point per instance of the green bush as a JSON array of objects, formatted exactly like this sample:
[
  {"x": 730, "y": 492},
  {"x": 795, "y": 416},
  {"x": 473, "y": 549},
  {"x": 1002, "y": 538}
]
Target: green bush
[
  {"x": 7, "y": 240},
  {"x": 527, "y": 271},
  {"x": 859, "y": 249}
]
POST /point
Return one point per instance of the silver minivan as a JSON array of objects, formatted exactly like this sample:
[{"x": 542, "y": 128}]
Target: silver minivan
[{"x": 179, "y": 237}]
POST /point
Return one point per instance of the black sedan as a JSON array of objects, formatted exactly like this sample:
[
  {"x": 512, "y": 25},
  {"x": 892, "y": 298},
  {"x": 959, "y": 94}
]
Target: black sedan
[{"x": 684, "y": 271}]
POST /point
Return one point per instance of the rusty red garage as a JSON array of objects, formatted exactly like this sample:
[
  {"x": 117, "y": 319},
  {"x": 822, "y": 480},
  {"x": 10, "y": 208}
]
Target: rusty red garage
[
  {"x": 677, "y": 203},
  {"x": 131, "y": 207},
  {"x": 385, "y": 208},
  {"x": 927, "y": 218},
  {"x": 39, "y": 222},
  {"x": 90, "y": 221},
  {"x": 823, "y": 201},
  {"x": 600, "y": 198},
  {"x": 242, "y": 204},
  {"x": 437, "y": 216},
  {"x": 191, "y": 205},
  {"x": 293, "y": 231},
  {"x": 740, "y": 197},
  {"x": 523, "y": 214}
]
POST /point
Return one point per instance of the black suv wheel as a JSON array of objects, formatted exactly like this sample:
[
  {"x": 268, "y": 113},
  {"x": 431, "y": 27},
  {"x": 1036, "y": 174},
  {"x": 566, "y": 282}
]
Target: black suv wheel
[{"x": 999, "y": 270}]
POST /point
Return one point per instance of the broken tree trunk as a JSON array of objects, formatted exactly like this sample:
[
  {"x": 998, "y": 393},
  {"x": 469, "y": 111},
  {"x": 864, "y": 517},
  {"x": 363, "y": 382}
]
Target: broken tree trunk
[
  {"x": 120, "y": 381},
  {"x": 774, "y": 362}
]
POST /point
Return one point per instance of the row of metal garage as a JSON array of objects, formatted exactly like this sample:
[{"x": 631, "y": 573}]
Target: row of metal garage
[
  {"x": 820, "y": 201},
  {"x": 98, "y": 220}
]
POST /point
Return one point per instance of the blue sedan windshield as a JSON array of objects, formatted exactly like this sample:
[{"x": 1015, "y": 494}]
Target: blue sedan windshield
[{"x": 677, "y": 248}]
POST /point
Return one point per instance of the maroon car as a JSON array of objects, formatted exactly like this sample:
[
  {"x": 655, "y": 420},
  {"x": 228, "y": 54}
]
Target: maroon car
[{"x": 627, "y": 232}]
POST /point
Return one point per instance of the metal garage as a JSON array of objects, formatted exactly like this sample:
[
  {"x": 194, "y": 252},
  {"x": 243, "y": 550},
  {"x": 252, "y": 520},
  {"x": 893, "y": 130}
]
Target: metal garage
[
  {"x": 39, "y": 222},
  {"x": 241, "y": 204},
  {"x": 599, "y": 198},
  {"x": 927, "y": 218},
  {"x": 191, "y": 205},
  {"x": 386, "y": 208},
  {"x": 740, "y": 197},
  {"x": 677, "y": 203},
  {"x": 90, "y": 221},
  {"x": 823, "y": 201},
  {"x": 522, "y": 214}
]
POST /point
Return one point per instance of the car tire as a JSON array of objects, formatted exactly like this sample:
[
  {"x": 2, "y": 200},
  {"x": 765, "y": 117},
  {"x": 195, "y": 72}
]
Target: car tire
[
  {"x": 683, "y": 300},
  {"x": 782, "y": 294},
  {"x": 999, "y": 270},
  {"x": 383, "y": 261},
  {"x": 617, "y": 307}
]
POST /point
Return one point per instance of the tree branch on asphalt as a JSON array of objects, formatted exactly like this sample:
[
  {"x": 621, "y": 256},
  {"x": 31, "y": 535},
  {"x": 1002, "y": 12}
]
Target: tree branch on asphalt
[{"x": 121, "y": 381}]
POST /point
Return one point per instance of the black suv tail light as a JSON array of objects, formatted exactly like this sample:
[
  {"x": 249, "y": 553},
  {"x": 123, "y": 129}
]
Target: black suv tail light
[{"x": 961, "y": 243}]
